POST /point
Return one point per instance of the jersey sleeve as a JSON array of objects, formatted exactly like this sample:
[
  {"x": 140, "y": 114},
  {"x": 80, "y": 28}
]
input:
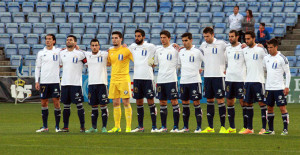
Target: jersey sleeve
[
  {"x": 38, "y": 65},
  {"x": 286, "y": 69},
  {"x": 130, "y": 55},
  {"x": 156, "y": 57}
]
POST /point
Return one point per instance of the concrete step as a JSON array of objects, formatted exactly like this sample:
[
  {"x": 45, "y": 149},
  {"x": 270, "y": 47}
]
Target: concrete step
[
  {"x": 292, "y": 37},
  {"x": 4, "y": 63},
  {"x": 288, "y": 53},
  {"x": 287, "y": 47},
  {"x": 8, "y": 74},
  {"x": 5, "y": 69},
  {"x": 296, "y": 31},
  {"x": 2, "y": 57},
  {"x": 290, "y": 42}
]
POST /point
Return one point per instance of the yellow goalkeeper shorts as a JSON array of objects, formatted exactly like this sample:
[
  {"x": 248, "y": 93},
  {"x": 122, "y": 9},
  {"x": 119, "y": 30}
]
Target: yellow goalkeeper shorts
[{"x": 119, "y": 90}]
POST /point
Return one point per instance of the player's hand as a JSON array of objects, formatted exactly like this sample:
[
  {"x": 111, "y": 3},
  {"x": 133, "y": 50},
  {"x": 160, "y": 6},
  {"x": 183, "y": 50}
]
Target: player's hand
[
  {"x": 37, "y": 86},
  {"x": 124, "y": 45},
  {"x": 244, "y": 45},
  {"x": 151, "y": 62},
  {"x": 200, "y": 71},
  {"x": 225, "y": 72},
  {"x": 286, "y": 91},
  {"x": 177, "y": 47},
  {"x": 63, "y": 49}
]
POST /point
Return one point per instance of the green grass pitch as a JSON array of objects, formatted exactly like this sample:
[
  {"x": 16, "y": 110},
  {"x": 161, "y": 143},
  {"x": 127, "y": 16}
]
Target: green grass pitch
[{"x": 19, "y": 122}]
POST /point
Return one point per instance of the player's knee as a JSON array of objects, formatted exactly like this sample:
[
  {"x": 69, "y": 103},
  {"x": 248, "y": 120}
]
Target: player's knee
[
  {"x": 283, "y": 109},
  {"x": 196, "y": 103},
  {"x": 163, "y": 102},
  {"x": 44, "y": 102},
  {"x": 139, "y": 102},
  {"x": 102, "y": 105},
  {"x": 230, "y": 102},
  {"x": 261, "y": 104},
  {"x": 221, "y": 100},
  {"x": 174, "y": 101},
  {"x": 211, "y": 100},
  {"x": 95, "y": 106},
  {"x": 150, "y": 101}
]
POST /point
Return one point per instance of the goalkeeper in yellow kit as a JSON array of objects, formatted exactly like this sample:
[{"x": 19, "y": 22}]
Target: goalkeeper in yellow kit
[{"x": 120, "y": 84}]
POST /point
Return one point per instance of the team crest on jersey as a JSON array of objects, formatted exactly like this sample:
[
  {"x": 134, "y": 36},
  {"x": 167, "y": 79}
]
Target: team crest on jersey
[
  {"x": 136, "y": 89},
  {"x": 120, "y": 57},
  {"x": 75, "y": 59},
  {"x": 237, "y": 56},
  {"x": 125, "y": 92},
  {"x": 169, "y": 57},
  {"x": 227, "y": 88},
  {"x": 158, "y": 89},
  {"x": 144, "y": 52},
  {"x": 55, "y": 57},
  {"x": 266, "y": 94},
  {"x": 100, "y": 59},
  {"x": 181, "y": 90},
  {"x": 274, "y": 65},
  {"x": 215, "y": 50},
  {"x": 255, "y": 56},
  {"x": 192, "y": 58}
]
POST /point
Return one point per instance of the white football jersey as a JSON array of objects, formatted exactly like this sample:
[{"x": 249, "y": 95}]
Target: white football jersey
[
  {"x": 236, "y": 67},
  {"x": 190, "y": 61},
  {"x": 47, "y": 66},
  {"x": 72, "y": 67},
  {"x": 141, "y": 54},
  {"x": 167, "y": 59},
  {"x": 214, "y": 59},
  {"x": 276, "y": 66},
  {"x": 97, "y": 67},
  {"x": 254, "y": 63}
]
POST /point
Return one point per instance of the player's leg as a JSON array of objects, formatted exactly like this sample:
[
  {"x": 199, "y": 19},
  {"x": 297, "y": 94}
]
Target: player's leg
[
  {"x": 184, "y": 96},
  {"x": 77, "y": 98},
  {"x": 65, "y": 99},
  {"x": 222, "y": 114},
  {"x": 57, "y": 111},
  {"x": 248, "y": 101},
  {"x": 128, "y": 113},
  {"x": 93, "y": 101},
  {"x": 104, "y": 115},
  {"x": 263, "y": 107},
  {"x": 270, "y": 117},
  {"x": 103, "y": 100},
  {"x": 139, "y": 96},
  {"x": 153, "y": 113},
  {"x": 172, "y": 94},
  {"x": 219, "y": 91},
  {"x": 198, "y": 115},
  {"x": 209, "y": 94},
  {"x": 161, "y": 95},
  {"x": 45, "y": 112},
  {"x": 285, "y": 119},
  {"x": 244, "y": 108},
  {"x": 114, "y": 94},
  {"x": 231, "y": 115}
]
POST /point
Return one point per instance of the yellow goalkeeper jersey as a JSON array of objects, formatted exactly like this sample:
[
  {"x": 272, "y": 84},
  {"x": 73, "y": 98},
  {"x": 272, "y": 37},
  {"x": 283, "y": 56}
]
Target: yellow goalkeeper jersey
[{"x": 119, "y": 59}]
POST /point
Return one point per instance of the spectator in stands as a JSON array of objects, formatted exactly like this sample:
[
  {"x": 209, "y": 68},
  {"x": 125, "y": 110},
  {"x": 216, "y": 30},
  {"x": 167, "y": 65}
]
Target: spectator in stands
[
  {"x": 235, "y": 21},
  {"x": 263, "y": 35},
  {"x": 248, "y": 23}
]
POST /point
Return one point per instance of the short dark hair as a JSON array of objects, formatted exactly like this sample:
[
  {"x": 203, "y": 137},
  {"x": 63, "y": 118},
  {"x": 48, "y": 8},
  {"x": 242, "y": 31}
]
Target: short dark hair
[
  {"x": 250, "y": 13},
  {"x": 94, "y": 40},
  {"x": 165, "y": 32},
  {"x": 53, "y": 37},
  {"x": 140, "y": 31},
  {"x": 251, "y": 33},
  {"x": 187, "y": 34},
  {"x": 273, "y": 41},
  {"x": 118, "y": 33},
  {"x": 235, "y": 32},
  {"x": 263, "y": 24},
  {"x": 75, "y": 39},
  {"x": 237, "y": 7},
  {"x": 208, "y": 30}
]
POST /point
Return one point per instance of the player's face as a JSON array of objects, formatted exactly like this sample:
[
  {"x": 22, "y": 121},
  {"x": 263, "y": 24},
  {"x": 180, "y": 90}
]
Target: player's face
[
  {"x": 272, "y": 49},
  {"x": 164, "y": 39},
  {"x": 232, "y": 38},
  {"x": 235, "y": 10},
  {"x": 209, "y": 38},
  {"x": 95, "y": 47},
  {"x": 71, "y": 42},
  {"x": 249, "y": 40},
  {"x": 116, "y": 40},
  {"x": 139, "y": 39},
  {"x": 187, "y": 43},
  {"x": 49, "y": 41}
]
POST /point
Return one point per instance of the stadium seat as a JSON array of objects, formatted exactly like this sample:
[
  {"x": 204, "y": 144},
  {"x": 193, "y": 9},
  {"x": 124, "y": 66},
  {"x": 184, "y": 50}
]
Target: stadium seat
[
  {"x": 278, "y": 18},
  {"x": 155, "y": 39},
  {"x": 165, "y": 7},
  {"x": 178, "y": 7},
  {"x": 47, "y": 1},
  {"x": 32, "y": 39},
  {"x": 12, "y": 28},
  {"x": 141, "y": 17},
  {"x": 103, "y": 39},
  {"x": 197, "y": 38},
  {"x": 190, "y": 7},
  {"x": 33, "y": 17},
  {"x": 170, "y": 27},
  {"x": 38, "y": 28},
  {"x": 41, "y": 7},
  {"x": 194, "y": 28},
  {"x": 13, "y": 7},
  {"x": 291, "y": 19},
  {"x": 127, "y": 17},
  {"x": 105, "y": 28},
  {"x": 46, "y": 17},
  {"x": 104, "y": 48},
  {"x": 298, "y": 8},
  {"x": 78, "y": 28},
  {"x": 130, "y": 28},
  {"x": 243, "y": 6},
  {"x": 15, "y": 60},
  {"x": 78, "y": 36},
  {"x": 266, "y": 17},
  {"x": 87, "y": 17},
  {"x": 65, "y": 28},
  {"x": 86, "y": 38},
  {"x": 178, "y": 39},
  {"x": 30, "y": 60},
  {"x": 129, "y": 39},
  {"x": 181, "y": 28},
  {"x": 83, "y": 47},
  {"x": 228, "y": 6},
  {"x": 278, "y": 7},
  {"x": 205, "y": 18},
  {"x": 91, "y": 28},
  {"x": 60, "y": 17},
  {"x": 18, "y": 38},
  {"x": 254, "y": 6},
  {"x": 269, "y": 27},
  {"x": 61, "y": 39},
  {"x": 2, "y": 28},
  {"x": 117, "y": 27},
  {"x": 124, "y": 7},
  {"x": 280, "y": 29},
  {"x": 111, "y": 7},
  {"x": 70, "y": 7},
  {"x": 180, "y": 17},
  {"x": 97, "y": 7},
  {"x": 151, "y": 7},
  {"x": 2, "y": 7},
  {"x": 37, "y": 48},
  {"x": 114, "y": 18},
  {"x": 5, "y": 17},
  {"x": 83, "y": 7},
  {"x": 203, "y": 7},
  {"x": 146, "y": 27},
  {"x": 289, "y": 7},
  {"x": 18, "y": 17},
  {"x": 216, "y": 7},
  {"x": 137, "y": 7},
  {"x": 101, "y": 17},
  {"x": 193, "y": 17},
  {"x": 51, "y": 28},
  {"x": 74, "y": 17},
  {"x": 219, "y": 28},
  {"x": 154, "y": 18},
  {"x": 10, "y": 49},
  {"x": 27, "y": 7},
  {"x": 43, "y": 38},
  {"x": 167, "y": 17},
  {"x": 218, "y": 17},
  {"x": 294, "y": 71},
  {"x": 56, "y": 7},
  {"x": 265, "y": 7},
  {"x": 23, "y": 49},
  {"x": 220, "y": 36},
  {"x": 257, "y": 17},
  {"x": 157, "y": 27}
]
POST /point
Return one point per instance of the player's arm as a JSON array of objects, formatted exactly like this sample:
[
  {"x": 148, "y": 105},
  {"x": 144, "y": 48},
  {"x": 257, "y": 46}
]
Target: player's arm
[
  {"x": 108, "y": 59},
  {"x": 38, "y": 65},
  {"x": 286, "y": 69}
]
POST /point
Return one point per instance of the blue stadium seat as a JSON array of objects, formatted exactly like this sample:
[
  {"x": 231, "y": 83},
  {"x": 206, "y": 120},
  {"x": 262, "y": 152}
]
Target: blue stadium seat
[
  {"x": 180, "y": 17},
  {"x": 130, "y": 28},
  {"x": 114, "y": 17},
  {"x": 2, "y": 7},
  {"x": 157, "y": 28},
  {"x": 105, "y": 28},
  {"x": 86, "y": 38},
  {"x": 101, "y": 17},
  {"x": 220, "y": 36},
  {"x": 61, "y": 39},
  {"x": 13, "y": 7},
  {"x": 33, "y": 17},
  {"x": 294, "y": 71},
  {"x": 83, "y": 47},
  {"x": 41, "y": 7},
  {"x": 111, "y": 7},
  {"x": 65, "y": 28},
  {"x": 78, "y": 28},
  {"x": 278, "y": 7},
  {"x": 103, "y": 39},
  {"x": 173, "y": 38},
  {"x": 218, "y": 17},
  {"x": 23, "y": 49},
  {"x": 266, "y": 17},
  {"x": 124, "y": 7},
  {"x": 190, "y": 7},
  {"x": 146, "y": 27},
  {"x": 178, "y": 39},
  {"x": 30, "y": 60},
  {"x": 60, "y": 17},
  {"x": 182, "y": 28},
  {"x": 297, "y": 64},
  {"x": 10, "y": 49},
  {"x": 51, "y": 28},
  {"x": 193, "y": 17},
  {"x": 2, "y": 28},
  {"x": 32, "y": 39},
  {"x": 219, "y": 28},
  {"x": 278, "y": 18},
  {"x": 216, "y": 7},
  {"x": 18, "y": 38},
  {"x": 104, "y": 48},
  {"x": 228, "y": 7},
  {"x": 254, "y": 6},
  {"x": 265, "y": 7},
  {"x": 78, "y": 36},
  {"x": 74, "y": 17},
  {"x": 257, "y": 16},
  {"x": 155, "y": 39},
  {"x": 137, "y": 7},
  {"x": 97, "y": 7},
  {"x": 12, "y": 28},
  {"x": 43, "y": 38},
  {"x": 27, "y": 7},
  {"x": 167, "y": 17},
  {"x": 243, "y": 6},
  {"x": 5, "y": 17},
  {"x": 205, "y": 17},
  {"x": 290, "y": 7},
  {"x": 83, "y": 7},
  {"x": 280, "y": 29},
  {"x": 141, "y": 17},
  {"x": 178, "y": 7},
  {"x": 194, "y": 28},
  {"x": 38, "y": 28},
  {"x": 170, "y": 27},
  {"x": 203, "y": 7},
  {"x": 298, "y": 8},
  {"x": 128, "y": 17},
  {"x": 154, "y": 18},
  {"x": 87, "y": 17},
  {"x": 91, "y": 28},
  {"x": 197, "y": 38},
  {"x": 70, "y": 7},
  {"x": 151, "y": 7},
  {"x": 56, "y": 7},
  {"x": 117, "y": 27},
  {"x": 36, "y": 48},
  {"x": 291, "y": 19},
  {"x": 297, "y": 53},
  {"x": 15, "y": 60},
  {"x": 47, "y": 1},
  {"x": 46, "y": 17},
  {"x": 165, "y": 6},
  {"x": 129, "y": 39},
  {"x": 269, "y": 27}
]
